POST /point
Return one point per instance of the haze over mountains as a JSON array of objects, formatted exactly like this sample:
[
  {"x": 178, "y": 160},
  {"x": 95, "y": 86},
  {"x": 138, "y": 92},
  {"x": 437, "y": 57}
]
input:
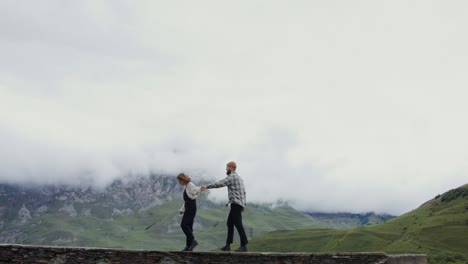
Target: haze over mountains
[{"x": 324, "y": 101}]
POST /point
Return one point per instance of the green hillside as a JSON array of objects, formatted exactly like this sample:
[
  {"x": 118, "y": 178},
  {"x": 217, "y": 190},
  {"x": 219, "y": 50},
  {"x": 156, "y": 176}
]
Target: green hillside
[
  {"x": 137, "y": 212},
  {"x": 438, "y": 228},
  {"x": 157, "y": 228}
]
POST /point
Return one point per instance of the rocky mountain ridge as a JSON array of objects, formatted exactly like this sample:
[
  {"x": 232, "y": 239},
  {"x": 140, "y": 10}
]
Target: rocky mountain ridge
[{"x": 123, "y": 196}]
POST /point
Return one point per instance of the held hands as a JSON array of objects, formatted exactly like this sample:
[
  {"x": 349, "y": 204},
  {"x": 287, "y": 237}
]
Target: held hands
[{"x": 203, "y": 188}]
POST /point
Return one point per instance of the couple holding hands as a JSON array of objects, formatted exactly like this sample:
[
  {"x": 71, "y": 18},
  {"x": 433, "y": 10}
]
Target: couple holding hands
[{"x": 237, "y": 202}]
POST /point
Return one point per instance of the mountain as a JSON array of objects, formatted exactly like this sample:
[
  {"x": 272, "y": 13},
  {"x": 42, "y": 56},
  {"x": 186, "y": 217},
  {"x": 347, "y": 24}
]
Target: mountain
[
  {"x": 349, "y": 220},
  {"x": 439, "y": 228},
  {"x": 137, "y": 212},
  {"x": 134, "y": 212}
]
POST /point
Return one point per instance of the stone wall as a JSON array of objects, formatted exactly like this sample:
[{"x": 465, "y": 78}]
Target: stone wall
[{"x": 61, "y": 255}]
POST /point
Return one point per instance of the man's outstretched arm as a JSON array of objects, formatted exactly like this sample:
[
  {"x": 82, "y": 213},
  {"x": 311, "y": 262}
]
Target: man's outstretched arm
[{"x": 219, "y": 184}]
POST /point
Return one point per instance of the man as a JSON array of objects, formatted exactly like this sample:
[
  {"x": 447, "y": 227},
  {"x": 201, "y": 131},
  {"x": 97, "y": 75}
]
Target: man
[{"x": 237, "y": 202}]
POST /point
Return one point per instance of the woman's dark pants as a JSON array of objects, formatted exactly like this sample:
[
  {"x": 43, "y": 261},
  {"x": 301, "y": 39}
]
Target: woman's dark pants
[{"x": 187, "y": 223}]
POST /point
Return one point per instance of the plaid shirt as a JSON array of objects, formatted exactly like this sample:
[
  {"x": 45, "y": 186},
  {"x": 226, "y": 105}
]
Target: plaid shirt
[{"x": 236, "y": 189}]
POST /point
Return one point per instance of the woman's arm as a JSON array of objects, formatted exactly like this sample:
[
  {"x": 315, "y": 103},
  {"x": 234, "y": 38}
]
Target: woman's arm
[{"x": 193, "y": 191}]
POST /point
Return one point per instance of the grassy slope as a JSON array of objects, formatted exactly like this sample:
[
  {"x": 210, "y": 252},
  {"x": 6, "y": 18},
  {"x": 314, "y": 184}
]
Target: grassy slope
[
  {"x": 437, "y": 228},
  {"x": 129, "y": 231}
]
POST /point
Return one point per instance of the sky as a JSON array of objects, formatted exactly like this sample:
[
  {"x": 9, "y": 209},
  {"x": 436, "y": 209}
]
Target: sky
[{"x": 332, "y": 106}]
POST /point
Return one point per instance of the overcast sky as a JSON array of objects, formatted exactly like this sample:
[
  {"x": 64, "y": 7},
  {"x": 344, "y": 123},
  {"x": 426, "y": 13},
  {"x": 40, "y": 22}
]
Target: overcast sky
[{"x": 332, "y": 105}]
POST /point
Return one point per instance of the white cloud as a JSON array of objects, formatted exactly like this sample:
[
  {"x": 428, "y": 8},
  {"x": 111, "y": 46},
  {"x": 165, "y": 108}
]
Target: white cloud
[{"x": 336, "y": 106}]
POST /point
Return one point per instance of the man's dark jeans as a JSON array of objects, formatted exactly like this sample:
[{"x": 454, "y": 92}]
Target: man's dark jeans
[{"x": 235, "y": 219}]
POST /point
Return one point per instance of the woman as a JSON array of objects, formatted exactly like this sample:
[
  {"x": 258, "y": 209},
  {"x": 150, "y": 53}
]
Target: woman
[{"x": 189, "y": 209}]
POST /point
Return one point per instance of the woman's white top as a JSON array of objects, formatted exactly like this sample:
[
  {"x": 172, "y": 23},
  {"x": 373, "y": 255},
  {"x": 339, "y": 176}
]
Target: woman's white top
[{"x": 193, "y": 192}]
